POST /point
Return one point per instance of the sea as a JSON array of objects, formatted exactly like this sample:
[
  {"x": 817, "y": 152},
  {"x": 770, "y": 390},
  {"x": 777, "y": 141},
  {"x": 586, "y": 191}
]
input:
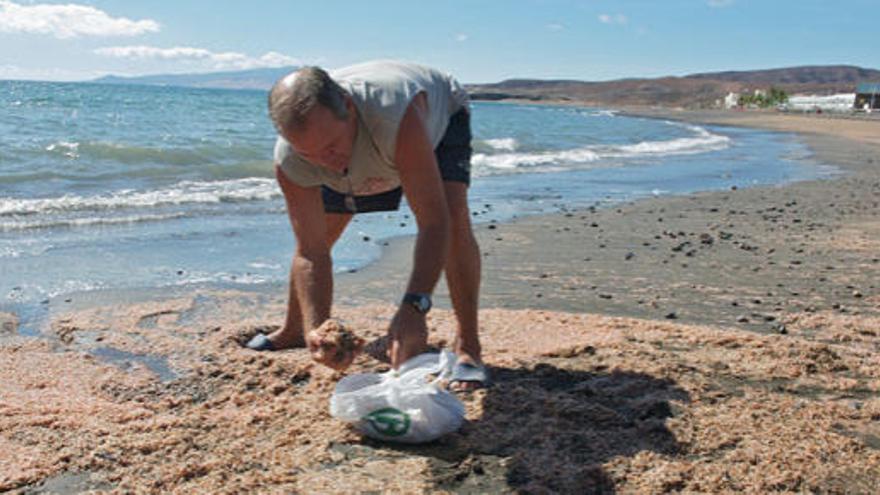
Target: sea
[{"x": 126, "y": 187}]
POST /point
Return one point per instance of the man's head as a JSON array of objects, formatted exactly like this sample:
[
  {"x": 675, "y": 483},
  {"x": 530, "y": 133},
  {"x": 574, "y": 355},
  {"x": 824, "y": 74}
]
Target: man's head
[{"x": 316, "y": 116}]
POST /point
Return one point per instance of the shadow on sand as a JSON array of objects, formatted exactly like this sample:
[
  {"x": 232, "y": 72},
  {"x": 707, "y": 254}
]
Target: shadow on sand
[{"x": 545, "y": 428}]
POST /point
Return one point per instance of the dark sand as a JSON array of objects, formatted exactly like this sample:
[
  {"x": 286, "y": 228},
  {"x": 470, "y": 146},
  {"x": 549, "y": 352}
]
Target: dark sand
[{"x": 719, "y": 342}]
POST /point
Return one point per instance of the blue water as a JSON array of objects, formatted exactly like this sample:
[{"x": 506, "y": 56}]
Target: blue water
[{"x": 127, "y": 187}]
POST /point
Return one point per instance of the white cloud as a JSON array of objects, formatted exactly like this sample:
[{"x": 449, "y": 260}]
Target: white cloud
[
  {"x": 555, "y": 26},
  {"x": 215, "y": 60},
  {"x": 68, "y": 21},
  {"x": 613, "y": 19},
  {"x": 719, "y": 3},
  {"x": 460, "y": 37}
]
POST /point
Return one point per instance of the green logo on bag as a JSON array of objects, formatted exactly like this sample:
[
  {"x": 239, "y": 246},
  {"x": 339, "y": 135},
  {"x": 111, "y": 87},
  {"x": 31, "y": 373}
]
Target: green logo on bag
[{"x": 389, "y": 421}]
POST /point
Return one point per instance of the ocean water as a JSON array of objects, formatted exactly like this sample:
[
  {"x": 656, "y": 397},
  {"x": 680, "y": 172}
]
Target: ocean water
[{"x": 130, "y": 187}]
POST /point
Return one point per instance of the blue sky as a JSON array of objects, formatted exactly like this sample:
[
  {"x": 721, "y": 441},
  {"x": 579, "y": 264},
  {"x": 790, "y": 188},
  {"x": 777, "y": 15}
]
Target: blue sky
[{"x": 477, "y": 40}]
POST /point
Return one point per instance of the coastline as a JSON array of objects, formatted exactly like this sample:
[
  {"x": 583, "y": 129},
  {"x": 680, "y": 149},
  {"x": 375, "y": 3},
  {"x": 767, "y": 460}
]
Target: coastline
[
  {"x": 662, "y": 266},
  {"x": 716, "y": 341}
]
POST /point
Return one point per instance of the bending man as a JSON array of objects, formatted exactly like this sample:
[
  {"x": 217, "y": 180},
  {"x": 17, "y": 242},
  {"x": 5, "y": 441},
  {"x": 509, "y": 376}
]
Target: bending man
[{"x": 355, "y": 141}]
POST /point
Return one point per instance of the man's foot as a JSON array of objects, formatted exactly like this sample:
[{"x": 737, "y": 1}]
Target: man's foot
[
  {"x": 468, "y": 374},
  {"x": 275, "y": 341}
]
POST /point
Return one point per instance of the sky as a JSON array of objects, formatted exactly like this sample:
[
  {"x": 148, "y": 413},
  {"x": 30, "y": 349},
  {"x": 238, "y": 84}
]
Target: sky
[{"x": 479, "y": 41}]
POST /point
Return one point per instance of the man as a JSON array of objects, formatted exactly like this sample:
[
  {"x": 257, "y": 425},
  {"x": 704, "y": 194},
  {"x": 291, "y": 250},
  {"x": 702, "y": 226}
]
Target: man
[{"x": 353, "y": 142}]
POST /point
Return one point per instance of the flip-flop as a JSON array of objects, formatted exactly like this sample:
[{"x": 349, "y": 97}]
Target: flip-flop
[
  {"x": 470, "y": 373},
  {"x": 260, "y": 342}
]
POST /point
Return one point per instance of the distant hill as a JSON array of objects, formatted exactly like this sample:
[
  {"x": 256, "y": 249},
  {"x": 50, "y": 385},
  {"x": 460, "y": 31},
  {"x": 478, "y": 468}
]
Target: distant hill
[
  {"x": 697, "y": 90},
  {"x": 243, "y": 79}
]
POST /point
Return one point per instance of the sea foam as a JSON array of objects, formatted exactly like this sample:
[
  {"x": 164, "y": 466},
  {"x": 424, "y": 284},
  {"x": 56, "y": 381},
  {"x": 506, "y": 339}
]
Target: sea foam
[
  {"x": 185, "y": 192},
  {"x": 702, "y": 141}
]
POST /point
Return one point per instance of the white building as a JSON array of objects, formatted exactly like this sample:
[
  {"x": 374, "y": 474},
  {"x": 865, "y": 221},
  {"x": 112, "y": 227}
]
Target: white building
[
  {"x": 813, "y": 103},
  {"x": 731, "y": 100}
]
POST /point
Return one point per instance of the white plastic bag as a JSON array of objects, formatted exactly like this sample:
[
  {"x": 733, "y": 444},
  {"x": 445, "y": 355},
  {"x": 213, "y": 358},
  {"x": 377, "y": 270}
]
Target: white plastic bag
[{"x": 403, "y": 405}]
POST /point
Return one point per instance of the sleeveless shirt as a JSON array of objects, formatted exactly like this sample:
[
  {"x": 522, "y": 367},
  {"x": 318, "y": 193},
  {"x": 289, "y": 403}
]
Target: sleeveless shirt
[{"x": 381, "y": 92}]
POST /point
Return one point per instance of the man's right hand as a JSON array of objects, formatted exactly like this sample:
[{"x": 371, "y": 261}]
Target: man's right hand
[
  {"x": 327, "y": 354},
  {"x": 333, "y": 345}
]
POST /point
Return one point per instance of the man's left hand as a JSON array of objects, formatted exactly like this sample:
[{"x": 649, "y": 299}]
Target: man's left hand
[{"x": 407, "y": 336}]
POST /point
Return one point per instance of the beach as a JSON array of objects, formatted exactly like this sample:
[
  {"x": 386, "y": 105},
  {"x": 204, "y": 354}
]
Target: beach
[{"x": 722, "y": 341}]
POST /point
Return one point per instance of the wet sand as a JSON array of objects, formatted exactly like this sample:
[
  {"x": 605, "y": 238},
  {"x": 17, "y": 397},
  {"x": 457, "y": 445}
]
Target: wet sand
[{"x": 723, "y": 341}]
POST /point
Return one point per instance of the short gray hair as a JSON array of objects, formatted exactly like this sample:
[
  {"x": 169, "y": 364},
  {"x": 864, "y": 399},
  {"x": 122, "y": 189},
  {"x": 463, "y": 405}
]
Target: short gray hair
[{"x": 295, "y": 95}]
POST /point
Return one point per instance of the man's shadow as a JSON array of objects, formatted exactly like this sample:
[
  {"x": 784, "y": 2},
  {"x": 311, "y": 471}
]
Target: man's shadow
[{"x": 549, "y": 427}]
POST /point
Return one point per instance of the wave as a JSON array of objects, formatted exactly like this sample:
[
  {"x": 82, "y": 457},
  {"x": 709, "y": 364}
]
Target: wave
[
  {"x": 7, "y": 226},
  {"x": 171, "y": 155},
  {"x": 703, "y": 141},
  {"x": 504, "y": 144},
  {"x": 186, "y": 192}
]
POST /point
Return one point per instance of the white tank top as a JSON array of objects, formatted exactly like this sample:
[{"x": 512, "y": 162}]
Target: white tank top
[{"x": 382, "y": 91}]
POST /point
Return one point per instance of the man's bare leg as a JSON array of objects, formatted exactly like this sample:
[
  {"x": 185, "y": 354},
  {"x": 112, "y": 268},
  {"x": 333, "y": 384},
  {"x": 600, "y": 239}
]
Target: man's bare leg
[
  {"x": 463, "y": 277},
  {"x": 291, "y": 334}
]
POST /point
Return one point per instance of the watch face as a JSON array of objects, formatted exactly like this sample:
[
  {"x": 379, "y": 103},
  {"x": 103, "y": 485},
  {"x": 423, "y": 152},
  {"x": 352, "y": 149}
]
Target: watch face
[
  {"x": 424, "y": 304},
  {"x": 421, "y": 302}
]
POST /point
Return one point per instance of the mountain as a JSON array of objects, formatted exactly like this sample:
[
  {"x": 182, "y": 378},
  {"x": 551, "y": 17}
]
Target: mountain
[
  {"x": 826, "y": 74},
  {"x": 697, "y": 90},
  {"x": 262, "y": 79}
]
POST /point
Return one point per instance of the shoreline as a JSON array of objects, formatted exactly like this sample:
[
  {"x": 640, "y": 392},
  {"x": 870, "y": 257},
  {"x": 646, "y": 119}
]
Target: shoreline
[
  {"x": 43, "y": 311},
  {"x": 720, "y": 341}
]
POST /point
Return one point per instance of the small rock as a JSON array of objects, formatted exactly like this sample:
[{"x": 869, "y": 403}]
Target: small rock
[
  {"x": 742, "y": 319},
  {"x": 671, "y": 316}
]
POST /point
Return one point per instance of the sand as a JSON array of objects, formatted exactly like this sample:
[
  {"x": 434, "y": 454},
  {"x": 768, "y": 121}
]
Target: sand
[{"x": 731, "y": 347}]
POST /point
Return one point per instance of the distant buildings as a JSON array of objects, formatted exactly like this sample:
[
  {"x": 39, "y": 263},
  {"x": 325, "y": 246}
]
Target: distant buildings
[
  {"x": 867, "y": 96},
  {"x": 866, "y": 99},
  {"x": 813, "y": 103}
]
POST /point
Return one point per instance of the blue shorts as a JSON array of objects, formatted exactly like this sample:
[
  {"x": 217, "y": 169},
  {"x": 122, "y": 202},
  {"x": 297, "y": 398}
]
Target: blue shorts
[{"x": 453, "y": 157}]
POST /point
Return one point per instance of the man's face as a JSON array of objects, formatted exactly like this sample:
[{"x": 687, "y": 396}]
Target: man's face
[{"x": 326, "y": 140}]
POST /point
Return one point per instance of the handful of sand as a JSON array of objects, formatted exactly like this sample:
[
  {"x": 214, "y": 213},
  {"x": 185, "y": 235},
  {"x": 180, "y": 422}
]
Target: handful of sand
[{"x": 334, "y": 345}]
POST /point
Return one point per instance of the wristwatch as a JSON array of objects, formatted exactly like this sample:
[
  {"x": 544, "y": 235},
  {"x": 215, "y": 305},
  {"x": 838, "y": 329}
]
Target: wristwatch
[{"x": 419, "y": 301}]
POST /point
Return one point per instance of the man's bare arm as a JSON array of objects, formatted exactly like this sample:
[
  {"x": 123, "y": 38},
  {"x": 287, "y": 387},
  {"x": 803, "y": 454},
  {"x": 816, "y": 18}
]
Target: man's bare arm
[
  {"x": 423, "y": 187},
  {"x": 312, "y": 269},
  {"x": 420, "y": 177}
]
